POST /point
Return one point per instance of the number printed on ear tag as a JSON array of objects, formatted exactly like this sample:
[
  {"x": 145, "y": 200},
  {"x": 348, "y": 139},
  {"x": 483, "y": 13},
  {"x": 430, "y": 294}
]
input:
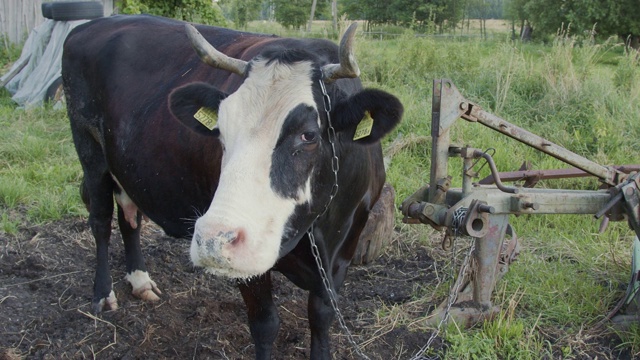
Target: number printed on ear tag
[
  {"x": 207, "y": 117},
  {"x": 364, "y": 127}
]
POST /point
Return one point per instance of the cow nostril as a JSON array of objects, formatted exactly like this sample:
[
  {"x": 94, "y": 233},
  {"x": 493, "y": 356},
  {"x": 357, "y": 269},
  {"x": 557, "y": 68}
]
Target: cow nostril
[{"x": 239, "y": 238}]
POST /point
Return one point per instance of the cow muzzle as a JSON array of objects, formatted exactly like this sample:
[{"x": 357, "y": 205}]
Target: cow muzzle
[{"x": 226, "y": 252}]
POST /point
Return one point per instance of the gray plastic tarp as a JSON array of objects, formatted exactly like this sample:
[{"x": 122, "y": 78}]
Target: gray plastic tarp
[{"x": 42, "y": 53}]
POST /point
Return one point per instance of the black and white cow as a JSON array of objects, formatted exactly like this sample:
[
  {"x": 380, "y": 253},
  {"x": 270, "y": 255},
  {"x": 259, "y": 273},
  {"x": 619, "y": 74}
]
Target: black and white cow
[{"x": 142, "y": 107}]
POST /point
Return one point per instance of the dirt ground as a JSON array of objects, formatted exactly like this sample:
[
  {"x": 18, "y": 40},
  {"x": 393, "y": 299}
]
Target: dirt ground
[{"x": 46, "y": 279}]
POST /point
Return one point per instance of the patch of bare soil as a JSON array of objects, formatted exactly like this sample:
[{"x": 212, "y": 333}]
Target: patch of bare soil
[{"x": 46, "y": 279}]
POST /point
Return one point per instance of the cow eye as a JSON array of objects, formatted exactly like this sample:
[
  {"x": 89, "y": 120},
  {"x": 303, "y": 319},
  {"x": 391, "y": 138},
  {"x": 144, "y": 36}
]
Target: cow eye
[{"x": 308, "y": 136}]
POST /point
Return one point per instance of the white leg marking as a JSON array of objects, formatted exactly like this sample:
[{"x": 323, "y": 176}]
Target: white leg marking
[
  {"x": 143, "y": 287},
  {"x": 110, "y": 302}
]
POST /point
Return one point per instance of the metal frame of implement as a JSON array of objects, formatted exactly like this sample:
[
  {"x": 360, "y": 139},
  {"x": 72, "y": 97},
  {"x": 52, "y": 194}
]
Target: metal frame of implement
[{"x": 487, "y": 207}]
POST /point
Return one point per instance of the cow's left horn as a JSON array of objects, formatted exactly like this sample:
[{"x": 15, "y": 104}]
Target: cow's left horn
[
  {"x": 348, "y": 68},
  {"x": 209, "y": 55}
]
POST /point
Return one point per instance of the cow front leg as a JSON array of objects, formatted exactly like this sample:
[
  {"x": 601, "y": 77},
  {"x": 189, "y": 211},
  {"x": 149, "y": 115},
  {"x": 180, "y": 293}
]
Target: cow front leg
[
  {"x": 264, "y": 321},
  {"x": 143, "y": 287},
  {"x": 320, "y": 319}
]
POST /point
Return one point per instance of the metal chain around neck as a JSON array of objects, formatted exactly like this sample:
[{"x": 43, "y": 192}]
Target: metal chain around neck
[
  {"x": 335, "y": 165},
  {"x": 458, "y": 217},
  {"x": 326, "y": 282}
]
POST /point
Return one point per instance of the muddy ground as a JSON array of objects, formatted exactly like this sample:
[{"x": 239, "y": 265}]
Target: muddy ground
[{"x": 46, "y": 277}]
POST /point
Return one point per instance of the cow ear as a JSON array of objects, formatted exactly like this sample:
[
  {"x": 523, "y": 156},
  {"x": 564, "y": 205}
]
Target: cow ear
[
  {"x": 368, "y": 115},
  {"x": 196, "y": 106}
]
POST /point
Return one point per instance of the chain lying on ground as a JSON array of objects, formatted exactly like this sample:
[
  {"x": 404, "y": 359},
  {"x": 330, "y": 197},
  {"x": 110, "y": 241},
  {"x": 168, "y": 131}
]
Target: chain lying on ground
[{"x": 458, "y": 218}]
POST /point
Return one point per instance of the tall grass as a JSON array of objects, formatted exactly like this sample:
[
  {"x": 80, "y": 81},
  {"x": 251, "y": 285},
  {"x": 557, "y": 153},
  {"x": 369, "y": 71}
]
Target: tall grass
[{"x": 575, "y": 92}]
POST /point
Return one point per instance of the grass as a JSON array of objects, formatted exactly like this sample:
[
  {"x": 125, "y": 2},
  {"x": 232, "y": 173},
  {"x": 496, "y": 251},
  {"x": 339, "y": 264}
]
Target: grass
[
  {"x": 576, "y": 92},
  {"x": 39, "y": 171}
]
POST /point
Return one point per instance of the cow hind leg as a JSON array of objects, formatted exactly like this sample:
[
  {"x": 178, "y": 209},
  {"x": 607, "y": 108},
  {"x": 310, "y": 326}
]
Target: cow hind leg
[
  {"x": 264, "y": 321},
  {"x": 137, "y": 275},
  {"x": 100, "y": 213}
]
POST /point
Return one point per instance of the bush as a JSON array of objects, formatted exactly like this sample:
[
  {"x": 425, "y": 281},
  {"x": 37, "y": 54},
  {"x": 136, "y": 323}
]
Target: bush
[{"x": 198, "y": 11}]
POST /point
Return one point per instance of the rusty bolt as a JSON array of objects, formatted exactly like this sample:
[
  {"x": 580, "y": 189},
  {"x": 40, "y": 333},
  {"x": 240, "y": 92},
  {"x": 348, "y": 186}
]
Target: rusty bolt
[
  {"x": 464, "y": 106},
  {"x": 486, "y": 209},
  {"x": 629, "y": 191}
]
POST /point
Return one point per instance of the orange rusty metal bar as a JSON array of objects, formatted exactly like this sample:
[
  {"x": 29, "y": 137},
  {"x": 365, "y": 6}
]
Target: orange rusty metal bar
[
  {"x": 474, "y": 113},
  {"x": 535, "y": 175}
]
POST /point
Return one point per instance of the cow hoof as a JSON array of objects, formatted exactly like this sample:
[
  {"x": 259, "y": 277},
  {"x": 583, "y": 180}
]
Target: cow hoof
[
  {"x": 147, "y": 294},
  {"x": 108, "y": 303},
  {"x": 143, "y": 287}
]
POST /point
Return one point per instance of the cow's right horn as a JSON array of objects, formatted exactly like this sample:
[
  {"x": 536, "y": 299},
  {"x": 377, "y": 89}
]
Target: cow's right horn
[
  {"x": 348, "y": 67},
  {"x": 209, "y": 55}
]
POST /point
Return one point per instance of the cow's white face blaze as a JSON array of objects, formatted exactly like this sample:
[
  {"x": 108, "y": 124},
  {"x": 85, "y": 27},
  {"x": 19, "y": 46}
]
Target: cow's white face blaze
[{"x": 258, "y": 192}]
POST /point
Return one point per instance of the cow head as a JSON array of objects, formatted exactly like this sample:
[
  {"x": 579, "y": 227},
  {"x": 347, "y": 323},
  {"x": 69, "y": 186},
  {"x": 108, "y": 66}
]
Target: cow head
[{"x": 276, "y": 169}]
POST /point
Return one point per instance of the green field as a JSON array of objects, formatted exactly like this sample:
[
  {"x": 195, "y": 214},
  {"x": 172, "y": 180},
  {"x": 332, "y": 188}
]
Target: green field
[{"x": 578, "y": 93}]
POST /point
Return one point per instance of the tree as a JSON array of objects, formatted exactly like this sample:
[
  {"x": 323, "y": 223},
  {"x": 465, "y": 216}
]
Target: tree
[
  {"x": 419, "y": 15},
  {"x": 313, "y": 11},
  {"x": 514, "y": 11},
  {"x": 199, "y": 11},
  {"x": 610, "y": 17},
  {"x": 293, "y": 14},
  {"x": 245, "y": 11}
]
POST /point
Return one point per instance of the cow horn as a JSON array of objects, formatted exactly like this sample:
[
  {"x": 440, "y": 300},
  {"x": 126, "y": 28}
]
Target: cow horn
[
  {"x": 348, "y": 68},
  {"x": 209, "y": 55}
]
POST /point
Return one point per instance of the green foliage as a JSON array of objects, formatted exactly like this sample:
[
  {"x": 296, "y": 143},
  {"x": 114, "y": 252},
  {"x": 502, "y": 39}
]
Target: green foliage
[
  {"x": 245, "y": 11},
  {"x": 609, "y": 17},
  {"x": 9, "y": 52},
  {"x": 8, "y": 225},
  {"x": 627, "y": 72},
  {"x": 294, "y": 14},
  {"x": 503, "y": 338},
  {"x": 407, "y": 13},
  {"x": 420, "y": 15},
  {"x": 199, "y": 11}
]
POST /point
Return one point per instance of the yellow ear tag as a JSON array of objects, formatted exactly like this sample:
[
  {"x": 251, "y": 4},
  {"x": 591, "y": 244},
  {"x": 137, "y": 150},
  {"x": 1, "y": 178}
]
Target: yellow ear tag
[
  {"x": 207, "y": 117},
  {"x": 364, "y": 127}
]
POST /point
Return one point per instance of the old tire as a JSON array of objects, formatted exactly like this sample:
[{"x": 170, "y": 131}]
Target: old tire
[
  {"x": 378, "y": 232},
  {"x": 74, "y": 10},
  {"x": 46, "y": 10}
]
